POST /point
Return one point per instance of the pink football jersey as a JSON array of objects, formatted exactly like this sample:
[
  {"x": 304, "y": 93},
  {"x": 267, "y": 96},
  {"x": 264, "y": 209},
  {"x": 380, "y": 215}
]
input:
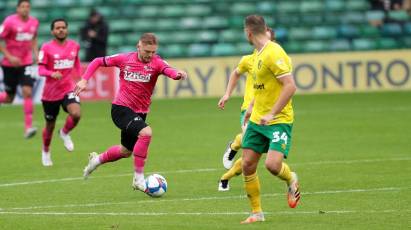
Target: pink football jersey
[{"x": 18, "y": 36}]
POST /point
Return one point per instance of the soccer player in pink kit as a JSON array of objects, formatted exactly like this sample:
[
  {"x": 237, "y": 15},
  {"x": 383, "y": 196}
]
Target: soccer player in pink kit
[
  {"x": 19, "y": 32},
  {"x": 58, "y": 60},
  {"x": 138, "y": 75}
]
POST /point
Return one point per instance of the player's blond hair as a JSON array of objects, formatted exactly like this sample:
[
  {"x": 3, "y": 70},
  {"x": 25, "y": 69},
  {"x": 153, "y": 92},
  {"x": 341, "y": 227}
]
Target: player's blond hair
[
  {"x": 148, "y": 39},
  {"x": 255, "y": 24}
]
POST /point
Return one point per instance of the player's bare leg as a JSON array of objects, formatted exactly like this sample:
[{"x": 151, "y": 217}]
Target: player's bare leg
[{"x": 71, "y": 121}]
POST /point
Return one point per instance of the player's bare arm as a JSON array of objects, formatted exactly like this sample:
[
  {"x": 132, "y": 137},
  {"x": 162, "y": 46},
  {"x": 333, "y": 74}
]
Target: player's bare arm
[
  {"x": 287, "y": 92},
  {"x": 232, "y": 83}
]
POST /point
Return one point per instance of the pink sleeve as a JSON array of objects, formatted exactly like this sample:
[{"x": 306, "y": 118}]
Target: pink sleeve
[
  {"x": 167, "y": 70},
  {"x": 92, "y": 67},
  {"x": 43, "y": 71},
  {"x": 4, "y": 29}
]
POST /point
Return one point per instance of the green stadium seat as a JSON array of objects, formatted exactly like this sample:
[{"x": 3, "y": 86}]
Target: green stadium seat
[
  {"x": 223, "y": 49},
  {"x": 311, "y": 6},
  {"x": 375, "y": 15},
  {"x": 391, "y": 29},
  {"x": 407, "y": 28},
  {"x": 359, "y": 5},
  {"x": 143, "y": 25},
  {"x": 44, "y": 30},
  {"x": 120, "y": 25},
  {"x": 348, "y": 31},
  {"x": 191, "y": 23},
  {"x": 78, "y": 13},
  {"x": 215, "y": 22},
  {"x": 65, "y": 3},
  {"x": 398, "y": 15},
  {"x": 281, "y": 34},
  {"x": 199, "y": 50},
  {"x": 131, "y": 38},
  {"x": 244, "y": 48},
  {"x": 57, "y": 13},
  {"x": 364, "y": 44},
  {"x": 334, "y": 5},
  {"x": 108, "y": 12},
  {"x": 287, "y": 20},
  {"x": 315, "y": 46},
  {"x": 332, "y": 18},
  {"x": 266, "y": 7},
  {"x": 172, "y": 11},
  {"x": 37, "y": 3},
  {"x": 236, "y": 22},
  {"x": 311, "y": 19},
  {"x": 293, "y": 47},
  {"x": 286, "y": 7},
  {"x": 75, "y": 26},
  {"x": 174, "y": 50},
  {"x": 354, "y": 18},
  {"x": 406, "y": 42},
  {"x": 231, "y": 35},
  {"x": 115, "y": 39},
  {"x": 207, "y": 36},
  {"x": 299, "y": 33},
  {"x": 126, "y": 49},
  {"x": 148, "y": 11},
  {"x": 388, "y": 43},
  {"x": 198, "y": 10},
  {"x": 369, "y": 31},
  {"x": 39, "y": 14},
  {"x": 167, "y": 24},
  {"x": 182, "y": 37},
  {"x": 243, "y": 8},
  {"x": 340, "y": 45},
  {"x": 324, "y": 32}
]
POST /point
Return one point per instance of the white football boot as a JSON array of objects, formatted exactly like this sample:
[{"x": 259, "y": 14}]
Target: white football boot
[
  {"x": 30, "y": 132},
  {"x": 68, "y": 143},
  {"x": 93, "y": 163},
  {"x": 139, "y": 183},
  {"x": 228, "y": 153},
  {"x": 293, "y": 194},
  {"x": 46, "y": 158}
]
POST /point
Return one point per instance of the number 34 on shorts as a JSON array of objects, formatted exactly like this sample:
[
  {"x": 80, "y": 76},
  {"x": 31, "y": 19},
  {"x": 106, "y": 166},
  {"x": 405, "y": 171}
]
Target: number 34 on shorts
[{"x": 281, "y": 138}]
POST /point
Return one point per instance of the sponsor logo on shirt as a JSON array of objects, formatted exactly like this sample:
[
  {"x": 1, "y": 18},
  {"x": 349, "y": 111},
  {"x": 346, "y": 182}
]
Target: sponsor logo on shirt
[
  {"x": 259, "y": 86},
  {"x": 134, "y": 76},
  {"x": 21, "y": 36},
  {"x": 63, "y": 64}
]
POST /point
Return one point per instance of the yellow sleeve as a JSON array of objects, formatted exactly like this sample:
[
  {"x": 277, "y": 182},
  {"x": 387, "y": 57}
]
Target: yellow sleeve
[
  {"x": 243, "y": 66},
  {"x": 280, "y": 63}
]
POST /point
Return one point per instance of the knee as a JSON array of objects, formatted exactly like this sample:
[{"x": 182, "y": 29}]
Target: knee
[
  {"x": 249, "y": 166},
  {"x": 76, "y": 116},
  {"x": 125, "y": 152},
  {"x": 273, "y": 166},
  {"x": 147, "y": 132}
]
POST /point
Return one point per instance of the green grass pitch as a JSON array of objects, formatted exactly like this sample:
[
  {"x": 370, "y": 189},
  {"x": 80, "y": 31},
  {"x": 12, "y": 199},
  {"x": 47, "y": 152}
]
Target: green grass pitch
[{"x": 352, "y": 153}]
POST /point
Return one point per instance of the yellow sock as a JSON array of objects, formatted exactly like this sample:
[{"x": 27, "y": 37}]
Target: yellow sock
[
  {"x": 234, "y": 171},
  {"x": 252, "y": 187},
  {"x": 236, "y": 145},
  {"x": 285, "y": 173}
]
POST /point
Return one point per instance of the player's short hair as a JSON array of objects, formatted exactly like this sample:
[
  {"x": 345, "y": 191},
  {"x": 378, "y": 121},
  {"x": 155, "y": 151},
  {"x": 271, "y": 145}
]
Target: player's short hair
[
  {"x": 58, "y": 20},
  {"x": 255, "y": 23},
  {"x": 272, "y": 33},
  {"x": 19, "y": 2},
  {"x": 148, "y": 39}
]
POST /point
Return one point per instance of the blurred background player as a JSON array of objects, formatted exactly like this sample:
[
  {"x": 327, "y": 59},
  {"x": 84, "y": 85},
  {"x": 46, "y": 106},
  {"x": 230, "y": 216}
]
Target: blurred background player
[
  {"x": 19, "y": 32},
  {"x": 58, "y": 60},
  {"x": 138, "y": 76},
  {"x": 94, "y": 36},
  {"x": 269, "y": 127},
  {"x": 244, "y": 67}
]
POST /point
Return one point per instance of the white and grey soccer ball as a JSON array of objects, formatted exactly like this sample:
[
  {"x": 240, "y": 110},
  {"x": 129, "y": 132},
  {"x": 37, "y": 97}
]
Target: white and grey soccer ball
[{"x": 156, "y": 185}]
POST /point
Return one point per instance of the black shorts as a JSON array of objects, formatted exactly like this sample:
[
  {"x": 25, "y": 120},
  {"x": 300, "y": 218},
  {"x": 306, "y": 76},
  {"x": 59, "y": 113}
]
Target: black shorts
[
  {"x": 52, "y": 108},
  {"x": 129, "y": 122},
  {"x": 14, "y": 76}
]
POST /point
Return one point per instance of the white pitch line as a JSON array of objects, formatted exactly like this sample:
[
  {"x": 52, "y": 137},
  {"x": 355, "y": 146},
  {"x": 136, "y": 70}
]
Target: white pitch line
[
  {"x": 317, "y": 212},
  {"x": 203, "y": 170},
  {"x": 386, "y": 189}
]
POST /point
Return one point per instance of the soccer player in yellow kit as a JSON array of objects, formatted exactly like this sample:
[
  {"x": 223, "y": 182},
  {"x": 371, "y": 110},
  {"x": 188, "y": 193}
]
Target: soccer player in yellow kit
[
  {"x": 269, "y": 127},
  {"x": 244, "y": 67}
]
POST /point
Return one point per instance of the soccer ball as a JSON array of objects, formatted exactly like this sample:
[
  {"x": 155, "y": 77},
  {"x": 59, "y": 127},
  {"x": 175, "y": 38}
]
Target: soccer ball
[{"x": 156, "y": 185}]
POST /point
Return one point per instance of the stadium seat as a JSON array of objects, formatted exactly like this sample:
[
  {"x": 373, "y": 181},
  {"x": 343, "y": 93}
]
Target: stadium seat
[
  {"x": 148, "y": 11},
  {"x": 223, "y": 49},
  {"x": 243, "y": 8},
  {"x": 143, "y": 25},
  {"x": 359, "y": 5},
  {"x": 364, "y": 44},
  {"x": 78, "y": 13},
  {"x": 120, "y": 25},
  {"x": 311, "y": 19},
  {"x": 198, "y": 10},
  {"x": 293, "y": 47},
  {"x": 236, "y": 22},
  {"x": 191, "y": 23},
  {"x": 115, "y": 40},
  {"x": 287, "y": 20},
  {"x": 166, "y": 24},
  {"x": 348, "y": 31},
  {"x": 354, "y": 18},
  {"x": 311, "y": 6},
  {"x": 182, "y": 37},
  {"x": 369, "y": 31},
  {"x": 406, "y": 42},
  {"x": 174, "y": 50},
  {"x": 315, "y": 46},
  {"x": 207, "y": 36},
  {"x": 398, "y": 15},
  {"x": 407, "y": 28},
  {"x": 299, "y": 33},
  {"x": 375, "y": 17},
  {"x": 287, "y": 7},
  {"x": 41, "y": 16},
  {"x": 388, "y": 43},
  {"x": 215, "y": 22},
  {"x": 172, "y": 11},
  {"x": 244, "y": 48},
  {"x": 334, "y": 5},
  {"x": 324, "y": 32},
  {"x": 340, "y": 45},
  {"x": 231, "y": 35},
  {"x": 198, "y": 50},
  {"x": 266, "y": 7},
  {"x": 391, "y": 29},
  {"x": 281, "y": 34}
]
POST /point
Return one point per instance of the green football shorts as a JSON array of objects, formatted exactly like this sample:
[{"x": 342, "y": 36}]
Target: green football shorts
[{"x": 262, "y": 138}]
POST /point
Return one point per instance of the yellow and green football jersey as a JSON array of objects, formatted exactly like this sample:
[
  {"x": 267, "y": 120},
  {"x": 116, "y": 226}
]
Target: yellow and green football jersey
[
  {"x": 244, "y": 67},
  {"x": 270, "y": 64}
]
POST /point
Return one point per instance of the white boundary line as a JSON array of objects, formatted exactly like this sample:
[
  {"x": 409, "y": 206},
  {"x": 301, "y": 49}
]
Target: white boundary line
[
  {"x": 200, "y": 213},
  {"x": 203, "y": 170},
  {"x": 330, "y": 192}
]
